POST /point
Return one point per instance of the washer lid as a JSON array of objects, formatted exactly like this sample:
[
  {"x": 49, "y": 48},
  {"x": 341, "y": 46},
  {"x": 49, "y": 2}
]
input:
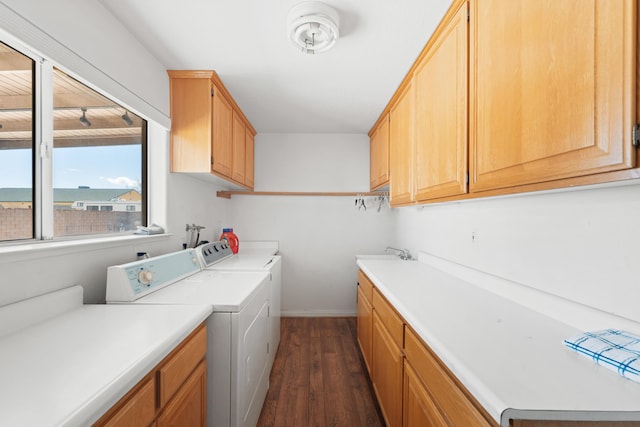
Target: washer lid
[{"x": 225, "y": 291}]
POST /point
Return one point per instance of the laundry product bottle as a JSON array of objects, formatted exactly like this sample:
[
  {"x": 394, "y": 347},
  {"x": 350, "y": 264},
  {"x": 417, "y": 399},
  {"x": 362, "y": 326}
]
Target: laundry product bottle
[{"x": 231, "y": 238}]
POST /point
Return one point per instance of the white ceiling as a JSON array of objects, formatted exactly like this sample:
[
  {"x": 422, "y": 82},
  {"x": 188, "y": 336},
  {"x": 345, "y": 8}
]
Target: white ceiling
[{"x": 280, "y": 89}]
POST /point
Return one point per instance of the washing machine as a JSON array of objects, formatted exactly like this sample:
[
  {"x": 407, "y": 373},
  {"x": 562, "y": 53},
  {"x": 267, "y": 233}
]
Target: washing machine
[
  {"x": 253, "y": 256},
  {"x": 238, "y": 362}
]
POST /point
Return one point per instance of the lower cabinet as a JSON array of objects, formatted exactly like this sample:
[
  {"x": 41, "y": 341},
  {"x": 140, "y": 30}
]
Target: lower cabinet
[
  {"x": 365, "y": 325},
  {"x": 172, "y": 394},
  {"x": 188, "y": 405},
  {"x": 451, "y": 400},
  {"x": 387, "y": 373},
  {"x": 418, "y": 408},
  {"x": 413, "y": 386}
]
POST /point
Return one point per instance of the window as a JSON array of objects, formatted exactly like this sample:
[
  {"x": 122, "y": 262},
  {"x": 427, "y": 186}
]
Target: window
[
  {"x": 16, "y": 145},
  {"x": 94, "y": 171}
]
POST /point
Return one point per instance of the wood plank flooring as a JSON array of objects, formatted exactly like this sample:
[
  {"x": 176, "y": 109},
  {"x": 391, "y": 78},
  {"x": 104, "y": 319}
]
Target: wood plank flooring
[{"x": 319, "y": 378}]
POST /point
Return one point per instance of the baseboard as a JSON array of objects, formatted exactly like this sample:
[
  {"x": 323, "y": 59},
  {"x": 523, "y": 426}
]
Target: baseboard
[{"x": 318, "y": 313}]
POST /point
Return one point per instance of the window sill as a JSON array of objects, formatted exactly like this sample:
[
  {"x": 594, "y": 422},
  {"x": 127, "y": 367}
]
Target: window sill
[{"x": 46, "y": 248}]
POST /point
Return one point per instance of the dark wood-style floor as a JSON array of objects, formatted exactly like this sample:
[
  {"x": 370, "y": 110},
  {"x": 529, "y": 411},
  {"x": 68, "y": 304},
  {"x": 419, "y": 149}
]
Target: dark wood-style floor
[{"x": 319, "y": 378}]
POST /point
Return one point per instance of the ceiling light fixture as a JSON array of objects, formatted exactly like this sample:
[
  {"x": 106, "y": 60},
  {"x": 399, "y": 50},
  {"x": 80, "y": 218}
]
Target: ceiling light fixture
[
  {"x": 126, "y": 118},
  {"x": 313, "y": 26},
  {"x": 85, "y": 122}
]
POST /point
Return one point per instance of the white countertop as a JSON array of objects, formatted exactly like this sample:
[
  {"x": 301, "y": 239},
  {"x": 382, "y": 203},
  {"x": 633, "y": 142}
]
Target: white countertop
[
  {"x": 511, "y": 358},
  {"x": 70, "y": 369}
]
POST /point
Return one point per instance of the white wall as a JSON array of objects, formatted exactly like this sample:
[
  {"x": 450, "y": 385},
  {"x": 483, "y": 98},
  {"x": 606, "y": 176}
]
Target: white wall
[
  {"x": 319, "y": 236},
  {"x": 577, "y": 244}
]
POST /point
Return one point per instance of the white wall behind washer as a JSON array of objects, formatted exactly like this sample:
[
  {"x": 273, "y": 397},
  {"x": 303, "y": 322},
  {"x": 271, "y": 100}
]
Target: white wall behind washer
[{"x": 319, "y": 235}]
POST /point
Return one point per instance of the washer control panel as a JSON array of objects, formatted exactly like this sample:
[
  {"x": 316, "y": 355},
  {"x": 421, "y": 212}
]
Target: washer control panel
[
  {"x": 128, "y": 282},
  {"x": 214, "y": 252}
]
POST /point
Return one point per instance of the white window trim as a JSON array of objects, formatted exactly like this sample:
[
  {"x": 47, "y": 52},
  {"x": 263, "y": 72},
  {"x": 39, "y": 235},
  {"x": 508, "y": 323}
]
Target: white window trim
[{"x": 44, "y": 150}]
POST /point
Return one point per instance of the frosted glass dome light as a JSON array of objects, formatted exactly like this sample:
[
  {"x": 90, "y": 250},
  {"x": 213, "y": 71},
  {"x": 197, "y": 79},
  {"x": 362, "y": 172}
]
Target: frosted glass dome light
[{"x": 313, "y": 26}]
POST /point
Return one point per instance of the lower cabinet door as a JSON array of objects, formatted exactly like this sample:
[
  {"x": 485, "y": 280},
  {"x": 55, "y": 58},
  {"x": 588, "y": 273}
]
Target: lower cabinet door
[
  {"x": 418, "y": 410},
  {"x": 188, "y": 406},
  {"x": 138, "y": 408},
  {"x": 387, "y": 373},
  {"x": 365, "y": 312}
]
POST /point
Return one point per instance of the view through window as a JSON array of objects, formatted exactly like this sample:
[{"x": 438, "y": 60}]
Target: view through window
[
  {"x": 16, "y": 145},
  {"x": 98, "y": 161}
]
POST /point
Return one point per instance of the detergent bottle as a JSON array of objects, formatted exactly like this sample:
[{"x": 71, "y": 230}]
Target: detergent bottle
[{"x": 231, "y": 238}]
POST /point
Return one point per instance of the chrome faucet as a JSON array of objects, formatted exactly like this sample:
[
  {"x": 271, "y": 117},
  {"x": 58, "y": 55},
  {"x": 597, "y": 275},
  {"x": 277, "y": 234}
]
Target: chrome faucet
[{"x": 404, "y": 254}]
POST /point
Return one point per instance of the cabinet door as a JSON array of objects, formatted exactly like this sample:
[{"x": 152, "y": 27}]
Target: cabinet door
[
  {"x": 454, "y": 402},
  {"x": 222, "y": 132},
  {"x": 401, "y": 147},
  {"x": 249, "y": 158},
  {"x": 440, "y": 81},
  {"x": 138, "y": 408},
  {"x": 379, "y": 155},
  {"x": 387, "y": 373},
  {"x": 178, "y": 366},
  {"x": 418, "y": 410},
  {"x": 365, "y": 325},
  {"x": 553, "y": 89},
  {"x": 239, "y": 149},
  {"x": 188, "y": 406},
  {"x": 191, "y": 125}
]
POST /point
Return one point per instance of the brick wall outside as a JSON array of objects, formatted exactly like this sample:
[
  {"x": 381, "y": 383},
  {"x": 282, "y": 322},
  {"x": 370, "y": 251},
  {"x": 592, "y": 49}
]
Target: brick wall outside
[{"x": 17, "y": 223}]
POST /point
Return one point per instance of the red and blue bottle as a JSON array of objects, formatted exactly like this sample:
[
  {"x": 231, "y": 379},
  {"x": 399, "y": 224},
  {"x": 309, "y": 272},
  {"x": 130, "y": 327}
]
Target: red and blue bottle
[{"x": 231, "y": 238}]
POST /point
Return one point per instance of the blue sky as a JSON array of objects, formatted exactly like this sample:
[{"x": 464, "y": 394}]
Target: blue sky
[{"x": 96, "y": 167}]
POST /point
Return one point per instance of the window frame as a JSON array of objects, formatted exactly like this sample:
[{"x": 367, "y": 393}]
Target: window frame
[{"x": 42, "y": 144}]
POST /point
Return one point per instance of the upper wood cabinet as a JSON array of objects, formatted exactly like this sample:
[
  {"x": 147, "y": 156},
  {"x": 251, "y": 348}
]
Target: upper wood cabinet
[
  {"x": 379, "y": 154},
  {"x": 249, "y": 156},
  {"x": 440, "y": 80},
  {"x": 401, "y": 147},
  {"x": 517, "y": 95},
  {"x": 222, "y": 131},
  {"x": 553, "y": 89},
  {"x": 208, "y": 129},
  {"x": 238, "y": 167}
]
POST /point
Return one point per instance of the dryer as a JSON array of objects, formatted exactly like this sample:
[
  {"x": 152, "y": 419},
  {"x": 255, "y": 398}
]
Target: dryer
[
  {"x": 253, "y": 256},
  {"x": 238, "y": 363}
]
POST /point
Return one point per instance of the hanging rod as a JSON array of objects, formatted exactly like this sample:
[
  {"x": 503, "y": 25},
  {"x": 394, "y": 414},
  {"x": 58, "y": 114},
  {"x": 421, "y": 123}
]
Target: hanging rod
[{"x": 228, "y": 194}]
